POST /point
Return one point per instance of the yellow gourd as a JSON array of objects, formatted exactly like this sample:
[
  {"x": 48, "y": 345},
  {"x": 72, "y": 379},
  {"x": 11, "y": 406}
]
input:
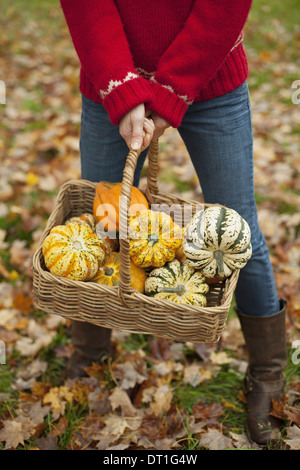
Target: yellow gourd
[{"x": 73, "y": 251}]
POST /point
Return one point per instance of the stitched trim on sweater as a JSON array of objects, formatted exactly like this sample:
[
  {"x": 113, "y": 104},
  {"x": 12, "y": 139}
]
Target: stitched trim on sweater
[
  {"x": 238, "y": 41},
  {"x": 144, "y": 73},
  {"x": 115, "y": 83},
  {"x": 150, "y": 76},
  {"x": 185, "y": 98}
]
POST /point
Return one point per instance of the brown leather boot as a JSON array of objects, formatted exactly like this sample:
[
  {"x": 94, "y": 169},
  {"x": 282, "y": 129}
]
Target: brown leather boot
[
  {"x": 91, "y": 343},
  {"x": 265, "y": 339}
]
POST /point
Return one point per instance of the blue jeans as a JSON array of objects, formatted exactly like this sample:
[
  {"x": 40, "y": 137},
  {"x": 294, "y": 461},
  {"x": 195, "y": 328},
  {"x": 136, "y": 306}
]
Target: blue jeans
[{"x": 218, "y": 136}]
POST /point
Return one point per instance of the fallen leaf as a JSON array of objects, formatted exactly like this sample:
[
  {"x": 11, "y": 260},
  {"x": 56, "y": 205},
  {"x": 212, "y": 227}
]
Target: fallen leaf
[
  {"x": 34, "y": 411},
  {"x": 60, "y": 427},
  {"x": 214, "y": 440},
  {"x": 153, "y": 427},
  {"x": 15, "y": 432},
  {"x": 130, "y": 376},
  {"x": 47, "y": 443},
  {"x": 120, "y": 398},
  {"x": 208, "y": 413},
  {"x": 20, "y": 255},
  {"x": 8, "y": 336},
  {"x": 285, "y": 412},
  {"x": 115, "y": 425},
  {"x": 57, "y": 398},
  {"x": 160, "y": 348},
  {"x": 28, "y": 347},
  {"x": 220, "y": 358},
  {"x": 105, "y": 441},
  {"x": 99, "y": 401},
  {"x": 162, "y": 400},
  {"x": 293, "y": 437},
  {"x": 33, "y": 370},
  {"x": 241, "y": 441},
  {"x": 32, "y": 179},
  {"x": 195, "y": 374}
]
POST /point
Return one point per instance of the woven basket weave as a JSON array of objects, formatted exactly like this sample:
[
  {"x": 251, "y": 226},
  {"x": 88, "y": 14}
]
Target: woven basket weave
[{"x": 122, "y": 307}]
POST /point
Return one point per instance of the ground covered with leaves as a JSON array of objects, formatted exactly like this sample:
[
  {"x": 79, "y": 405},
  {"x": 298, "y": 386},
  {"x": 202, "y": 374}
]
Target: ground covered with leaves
[{"x": 153, "y": 393}]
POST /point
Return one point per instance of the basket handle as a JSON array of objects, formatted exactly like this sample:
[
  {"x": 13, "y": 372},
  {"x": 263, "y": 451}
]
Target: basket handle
[{"x": 151, "y": 189}]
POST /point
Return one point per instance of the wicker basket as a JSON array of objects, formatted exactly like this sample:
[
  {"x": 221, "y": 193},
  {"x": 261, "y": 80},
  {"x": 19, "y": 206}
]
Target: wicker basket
[{"x": 123, "y": 308}]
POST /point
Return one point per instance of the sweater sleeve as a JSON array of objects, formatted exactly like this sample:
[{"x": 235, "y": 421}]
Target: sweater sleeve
[
  {"x": 194, "y": 57},
  {"x": 103, "y": 51}
]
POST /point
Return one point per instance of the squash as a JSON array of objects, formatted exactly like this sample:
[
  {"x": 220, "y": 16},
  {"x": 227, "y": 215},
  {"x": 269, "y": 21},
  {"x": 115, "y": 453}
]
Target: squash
[
  {"x": 73, "y": 251},
  {"x": 153, "y": 238},
  {"x": 178, "y": 282},
  {"x": 217, "y": 241},
  {"x": 86, "y": 218},
  {"x": 106, "y": 205},
  {"x": 109, "y": 273},
  {"x": 90, "y": 221},
  {"x": 112, "y": 243}
]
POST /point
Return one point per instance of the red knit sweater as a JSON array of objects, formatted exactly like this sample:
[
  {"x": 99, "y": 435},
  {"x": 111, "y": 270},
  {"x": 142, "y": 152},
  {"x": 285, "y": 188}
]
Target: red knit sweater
[{"x": 167, "y": 54}]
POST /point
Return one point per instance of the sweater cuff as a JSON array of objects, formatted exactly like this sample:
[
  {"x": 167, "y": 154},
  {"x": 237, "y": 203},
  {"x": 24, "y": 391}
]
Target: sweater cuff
[
  {"x": 167, "y": 104},
  {"x": 127, "y": 96}
]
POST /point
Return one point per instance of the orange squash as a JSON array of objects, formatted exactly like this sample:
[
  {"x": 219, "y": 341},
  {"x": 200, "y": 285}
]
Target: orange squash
[
  {"x": 109, "y": 273},
  {"x": 106, "y": 205}
]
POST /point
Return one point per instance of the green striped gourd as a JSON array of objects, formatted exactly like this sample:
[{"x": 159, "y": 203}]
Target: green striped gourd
[
  {"x": 178, "y": 282},
  {"x": 217, "y": 241}
]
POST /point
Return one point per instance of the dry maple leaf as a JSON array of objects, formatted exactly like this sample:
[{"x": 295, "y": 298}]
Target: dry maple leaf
[
  {"x": 241, "y": 441},
  {"x": 162, "y": 400},
  {"x": 57, "y": 399},
  {"x": 130, "y": 376},
  {"x": 37, "y": 412},
  {"x": 285, "y": 412},
  {"x": 214, "y": 440},
  {"x": 293, "y": 437},
  {"x": 203, "y": 411},
  {"x": 153, "y": 427},
  {"x": 114, "y": 426},
  {"x": 195, "y": 374},
  {"x": 15, "y": 432},
  {"x": 120, "y": 398}
]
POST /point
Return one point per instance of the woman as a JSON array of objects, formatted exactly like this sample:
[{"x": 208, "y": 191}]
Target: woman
[{"x": 182, "y": 63}]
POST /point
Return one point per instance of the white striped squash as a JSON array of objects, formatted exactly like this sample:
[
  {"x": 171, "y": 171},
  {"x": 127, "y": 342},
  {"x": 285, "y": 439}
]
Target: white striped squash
[
  {"x": 217, "y": 241},
  {"x": 178, "y": 282}
]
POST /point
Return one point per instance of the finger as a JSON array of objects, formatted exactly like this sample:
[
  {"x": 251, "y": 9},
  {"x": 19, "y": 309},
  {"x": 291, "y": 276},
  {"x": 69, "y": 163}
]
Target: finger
[
  {"x": 136, "y": 140},
  {"x": 148, "y": 132},
  {"x": 149, "y": 126},
  {"x": 147, "y": 140}
]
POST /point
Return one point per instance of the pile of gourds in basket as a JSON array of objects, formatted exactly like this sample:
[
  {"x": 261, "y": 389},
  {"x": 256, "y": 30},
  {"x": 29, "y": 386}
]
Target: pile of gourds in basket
[{"x": 143, "y": 272}]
